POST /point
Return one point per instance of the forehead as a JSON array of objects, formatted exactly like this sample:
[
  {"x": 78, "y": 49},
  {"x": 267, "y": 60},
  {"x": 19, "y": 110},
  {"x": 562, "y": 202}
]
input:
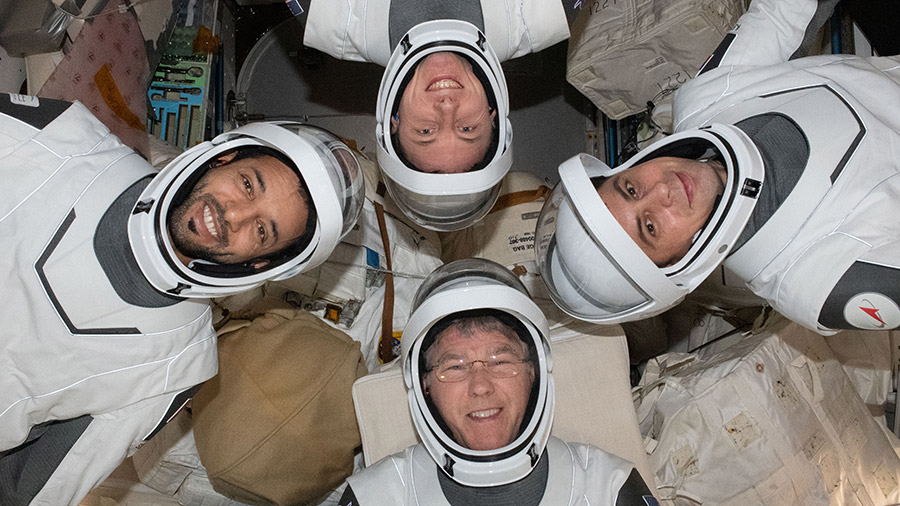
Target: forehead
[
  {"x": 454, "y": 340},
  {"x": 448, "y": 154},
  {"x": 268, "y": 166}
]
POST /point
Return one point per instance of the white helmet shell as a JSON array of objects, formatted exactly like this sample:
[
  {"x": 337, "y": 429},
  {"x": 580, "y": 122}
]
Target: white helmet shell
[
  {"x": 443, "y": 202},
  {"x": 465, "y": 285},
  {"x": 595, "y": 272},
  {"x": 326, "y": 165}
]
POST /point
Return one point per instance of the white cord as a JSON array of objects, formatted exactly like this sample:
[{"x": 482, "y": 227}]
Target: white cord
[{"x": 122, "y": 8}]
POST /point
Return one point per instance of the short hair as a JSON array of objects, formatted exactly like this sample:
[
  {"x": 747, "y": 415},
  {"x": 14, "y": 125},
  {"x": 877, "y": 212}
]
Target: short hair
[
  {"x": 471, "y": 324},
  {"x": 486, "y": 319}
]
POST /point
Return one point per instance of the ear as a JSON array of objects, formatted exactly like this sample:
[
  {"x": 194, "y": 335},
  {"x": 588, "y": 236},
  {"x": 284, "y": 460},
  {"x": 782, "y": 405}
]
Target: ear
[
  {"x": 259, "y": 264},
  {"x": 395, "y": 124},
  {"x": 225, "y": 157},
  {"x": 493, "y": 116}
]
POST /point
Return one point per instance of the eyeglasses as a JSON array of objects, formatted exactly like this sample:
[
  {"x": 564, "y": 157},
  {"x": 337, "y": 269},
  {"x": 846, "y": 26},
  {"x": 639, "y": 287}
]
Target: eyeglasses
[{"x": 454, "y": 370}]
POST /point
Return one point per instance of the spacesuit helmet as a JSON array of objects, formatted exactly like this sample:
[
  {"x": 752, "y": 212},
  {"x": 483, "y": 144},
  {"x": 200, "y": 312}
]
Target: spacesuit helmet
[
  {"x": 592, "y": 268},
  {"x": 329, "y": 175},
  {"x": 443, "y": 201},
  {"x": 463, "y": 289}
]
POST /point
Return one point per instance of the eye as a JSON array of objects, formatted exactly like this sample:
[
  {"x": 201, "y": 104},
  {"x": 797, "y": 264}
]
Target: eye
[
  {"x": 650, "y": 227},
  {"x": 425, "y": 131},
  {"x": 502, "y": 359},
  {"x": 261, "y": 230},
  {"x": 247, "y": 185},
  {"x": 630, "y": 189},
  {"x": 466, "y": 129}
]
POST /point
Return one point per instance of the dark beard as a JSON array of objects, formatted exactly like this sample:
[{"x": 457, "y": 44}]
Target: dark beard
[{"x": 181, "y": 239}]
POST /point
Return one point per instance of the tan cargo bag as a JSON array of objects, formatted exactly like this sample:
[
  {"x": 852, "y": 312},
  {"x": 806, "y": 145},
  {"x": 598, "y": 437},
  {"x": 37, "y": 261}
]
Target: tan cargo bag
[{"x": 277, "y": 425}]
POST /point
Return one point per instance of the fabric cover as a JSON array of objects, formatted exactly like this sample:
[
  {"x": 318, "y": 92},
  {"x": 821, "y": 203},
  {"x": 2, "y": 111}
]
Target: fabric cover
[
  {"x": 623, "y": 54},
  {"x": 505, "y": 235},
  {"x": 866, "y": 358},
  {"x": 276, "y": 426},
  {"x": 593, "y": 399},
  {"x": 772, "y": 420}
]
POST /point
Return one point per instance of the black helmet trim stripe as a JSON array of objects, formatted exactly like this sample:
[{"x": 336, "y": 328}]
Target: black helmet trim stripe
[{"x": 726, "y": 206}]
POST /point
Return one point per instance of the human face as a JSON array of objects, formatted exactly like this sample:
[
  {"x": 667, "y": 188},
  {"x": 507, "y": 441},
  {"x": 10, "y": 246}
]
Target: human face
[
  {"x": 444, "y": 123},
  {"x": 663, "y": 202},
  {"x": 482, "y": 412},
  {"x": 239, "y": 211}
]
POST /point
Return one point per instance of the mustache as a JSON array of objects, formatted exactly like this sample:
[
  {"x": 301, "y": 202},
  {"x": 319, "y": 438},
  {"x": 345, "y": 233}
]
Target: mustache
[{"x": 219, "y": 216}]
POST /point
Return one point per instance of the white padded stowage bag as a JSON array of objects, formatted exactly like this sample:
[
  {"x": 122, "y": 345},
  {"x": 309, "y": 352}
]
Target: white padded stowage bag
[
  {"x": 623, "y": 54},
  {"x": 771, "y": 421}
]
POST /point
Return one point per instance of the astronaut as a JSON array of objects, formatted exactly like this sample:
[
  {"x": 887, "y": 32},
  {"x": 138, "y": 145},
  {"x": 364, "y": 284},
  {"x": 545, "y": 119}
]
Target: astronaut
[
  {"x": 780, "y": 178},
  {"x": 477, "y": 367},
  {"x": 443, "y": 136},
  {"x": 106, "y": 331}
]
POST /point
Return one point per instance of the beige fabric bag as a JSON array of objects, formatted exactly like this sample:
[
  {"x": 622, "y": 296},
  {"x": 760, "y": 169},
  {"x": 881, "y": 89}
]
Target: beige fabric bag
[
  {"x": 625, "y": 53},
  {"x": 772, "y": 420},
  {"x": 276, "y": 426},
  {"x": 593, "y": 399}
]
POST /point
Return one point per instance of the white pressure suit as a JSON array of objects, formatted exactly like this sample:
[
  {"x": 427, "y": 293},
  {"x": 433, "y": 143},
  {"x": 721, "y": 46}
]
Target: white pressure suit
[
  {"x": 823, "y": 242},
  {"x": 578, "y": 474},
  {"x": 369, "y": 30},
  {"x": 93, "y": 360}
]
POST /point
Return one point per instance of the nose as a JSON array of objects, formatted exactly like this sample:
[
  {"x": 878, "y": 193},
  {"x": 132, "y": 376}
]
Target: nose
[
  {"x": 480, "y": 380},
  {"x": 446, "y": 102},
  {"x": 238, "y": 214},
  {"x": 662, "y": 194}
]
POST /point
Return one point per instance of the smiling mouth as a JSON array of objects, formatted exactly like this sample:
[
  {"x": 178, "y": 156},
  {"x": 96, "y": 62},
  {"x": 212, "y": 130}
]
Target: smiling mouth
[
  {"x": 688, "y": 189},
  {"x": 444, "y": 84},
  {"x": 487, "y": 413},
  {"x": 209, "y": 222}
]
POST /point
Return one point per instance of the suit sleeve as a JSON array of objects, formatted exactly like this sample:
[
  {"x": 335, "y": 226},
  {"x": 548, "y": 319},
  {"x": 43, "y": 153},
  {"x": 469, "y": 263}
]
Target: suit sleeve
[
  {"x": 349, "y": 498},
  {"x": 771, "y": 32},
  {"x": 634, "y": 492},
  {"x": 102, "y": 445}
]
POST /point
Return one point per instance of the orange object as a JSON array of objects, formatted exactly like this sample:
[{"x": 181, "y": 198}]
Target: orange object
[
  {"x": 106, "y": 84},
  {"x": 205, "y": 41}
]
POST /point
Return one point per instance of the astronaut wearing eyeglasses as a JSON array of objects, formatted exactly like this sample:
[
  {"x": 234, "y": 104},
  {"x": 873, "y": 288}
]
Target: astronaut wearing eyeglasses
[{"x": 476, "y": 363}]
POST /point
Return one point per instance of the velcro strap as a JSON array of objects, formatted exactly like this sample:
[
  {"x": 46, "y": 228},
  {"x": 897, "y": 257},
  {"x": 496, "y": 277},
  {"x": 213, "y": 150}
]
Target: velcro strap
[{"x": 385, "y": 344}]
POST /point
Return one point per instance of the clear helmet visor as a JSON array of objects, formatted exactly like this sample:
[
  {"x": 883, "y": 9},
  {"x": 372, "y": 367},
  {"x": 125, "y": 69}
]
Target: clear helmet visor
[
  {"x": 469, "y": 272},
  {"x": 330, "y": 176},
  {"x": 478, "y": 288},
  {"x": 447, "y": 193},
  {"x": 595, "y": 271},
  {"x": 342, "y": 169},
  {"x": 582, "y": 277},
  {"x": 592, "y": 269},
  {"x": 444, "y": 212}
]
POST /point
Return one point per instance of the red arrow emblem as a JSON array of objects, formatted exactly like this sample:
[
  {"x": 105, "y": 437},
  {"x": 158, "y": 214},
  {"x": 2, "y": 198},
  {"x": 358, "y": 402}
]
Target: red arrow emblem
[{"x": 873, "y": 312}]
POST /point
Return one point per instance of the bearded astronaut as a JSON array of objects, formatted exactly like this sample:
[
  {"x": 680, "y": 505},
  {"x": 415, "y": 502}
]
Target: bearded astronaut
[{"x": 108, "y": 263}]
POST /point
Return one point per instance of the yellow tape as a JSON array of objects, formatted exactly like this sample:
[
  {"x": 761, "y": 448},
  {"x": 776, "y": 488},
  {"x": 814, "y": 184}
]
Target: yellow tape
[{"x": 114, "y": 99}]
